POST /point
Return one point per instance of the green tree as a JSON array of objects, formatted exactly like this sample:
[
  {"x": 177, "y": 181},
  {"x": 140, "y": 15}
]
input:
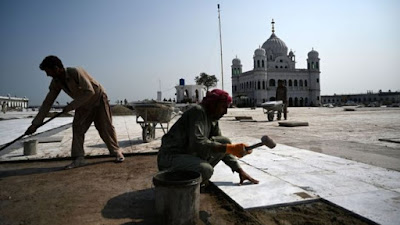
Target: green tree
[{"x": 206, "y": 80}]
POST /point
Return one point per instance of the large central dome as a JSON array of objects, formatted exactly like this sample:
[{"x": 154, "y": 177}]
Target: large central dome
[{"x": 275, "y": 45}]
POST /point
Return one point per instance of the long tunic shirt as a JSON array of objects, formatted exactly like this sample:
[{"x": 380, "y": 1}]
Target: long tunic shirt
[
  {"x": 193, "y": 134},
  {"x": 79, "y": 85}
]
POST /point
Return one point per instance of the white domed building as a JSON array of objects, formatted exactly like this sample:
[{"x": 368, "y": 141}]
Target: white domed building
[{"x": 272, "y": 62}]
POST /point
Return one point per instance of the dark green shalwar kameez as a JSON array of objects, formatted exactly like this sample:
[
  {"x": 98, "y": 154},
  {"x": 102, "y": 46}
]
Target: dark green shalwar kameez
[{"x": 188, "y": 145}]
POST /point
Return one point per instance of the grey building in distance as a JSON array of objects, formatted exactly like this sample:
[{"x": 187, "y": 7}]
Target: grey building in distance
[{"x": 272, "y": 62}]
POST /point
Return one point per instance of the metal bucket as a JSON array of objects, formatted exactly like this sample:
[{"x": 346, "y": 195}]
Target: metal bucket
[
  {"x": 177, "y": 197},
  {"x": 30, "y": 147}
]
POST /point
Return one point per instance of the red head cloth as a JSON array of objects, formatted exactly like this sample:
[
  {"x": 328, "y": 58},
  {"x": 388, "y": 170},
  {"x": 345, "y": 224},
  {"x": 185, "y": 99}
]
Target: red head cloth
[{"x": 217, "y": 95}]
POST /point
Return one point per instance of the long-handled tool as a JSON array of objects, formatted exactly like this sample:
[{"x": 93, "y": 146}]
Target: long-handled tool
[
  {"x": 12, "y": 142},
  {"x": 265, "y": 140}
]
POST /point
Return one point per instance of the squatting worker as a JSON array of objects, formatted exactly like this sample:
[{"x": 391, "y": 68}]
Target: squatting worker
[
  {"x": 89, "y": 102},
  {"x": 195, "y": 143}
]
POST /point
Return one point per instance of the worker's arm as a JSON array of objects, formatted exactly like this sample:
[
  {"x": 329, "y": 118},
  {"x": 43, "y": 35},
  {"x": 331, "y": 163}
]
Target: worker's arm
[
  {"x": 87, "y": 90},
  {"x": 54, "y": 91}
]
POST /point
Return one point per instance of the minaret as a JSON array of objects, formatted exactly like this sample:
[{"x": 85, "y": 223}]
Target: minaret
[{"x": 313, "y": 67}]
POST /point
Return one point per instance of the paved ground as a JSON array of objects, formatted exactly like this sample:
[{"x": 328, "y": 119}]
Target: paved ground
[{"x": 351, "y": 135}]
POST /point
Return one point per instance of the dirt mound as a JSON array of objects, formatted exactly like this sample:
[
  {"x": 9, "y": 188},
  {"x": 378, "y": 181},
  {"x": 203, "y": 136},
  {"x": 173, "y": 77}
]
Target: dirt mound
[
  {"x": 51, "y": 114},
  {"x": 120, "y": 110}
]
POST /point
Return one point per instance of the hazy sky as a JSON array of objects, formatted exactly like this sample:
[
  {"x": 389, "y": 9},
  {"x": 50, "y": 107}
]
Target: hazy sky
[{"x": 132, "y": 46}]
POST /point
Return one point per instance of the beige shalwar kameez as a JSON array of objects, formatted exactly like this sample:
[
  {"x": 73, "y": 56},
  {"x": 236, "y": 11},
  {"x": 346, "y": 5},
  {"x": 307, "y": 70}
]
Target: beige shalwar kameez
[{"x": 91, "y": 105}]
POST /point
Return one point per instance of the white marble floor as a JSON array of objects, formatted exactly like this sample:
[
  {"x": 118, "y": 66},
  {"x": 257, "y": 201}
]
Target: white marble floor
[{"x": 290, "y": 175}]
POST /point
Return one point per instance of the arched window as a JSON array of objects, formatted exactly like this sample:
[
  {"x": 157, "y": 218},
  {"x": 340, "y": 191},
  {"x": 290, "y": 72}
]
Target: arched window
[
  {"x": 308, "y": 65},
  {"x": 295, "y": 83},
  {"x": 263, "y": 84},
  {"x": 272, "y": 83},
  {"x": 305, "y": 83},
  {"x": 290, "y": 83},
  {"x": 312, "y": 65},
  {"x": 263, "y": 65},
  {"x": 259, "y": 85},
  {"x": 317, "y": 65},
  {"x": 301, "y": 83},
  {"x": 258, "y": 63}
]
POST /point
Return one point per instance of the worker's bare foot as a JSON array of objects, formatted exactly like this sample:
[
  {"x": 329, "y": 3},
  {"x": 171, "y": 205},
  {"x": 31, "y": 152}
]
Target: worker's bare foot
[
  {"x": 119, "y": 157},
  {"x": 79, "y": 161}
]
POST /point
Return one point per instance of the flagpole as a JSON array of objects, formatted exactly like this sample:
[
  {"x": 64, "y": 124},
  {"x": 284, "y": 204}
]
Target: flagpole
[{"x": 220, "y": 43}]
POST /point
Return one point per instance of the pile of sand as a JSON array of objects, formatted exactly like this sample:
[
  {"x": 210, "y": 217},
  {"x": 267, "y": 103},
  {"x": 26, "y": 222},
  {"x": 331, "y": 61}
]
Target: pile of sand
[
  {"x": 120, "y": 110},
  {"x": 51, "y": 114}
]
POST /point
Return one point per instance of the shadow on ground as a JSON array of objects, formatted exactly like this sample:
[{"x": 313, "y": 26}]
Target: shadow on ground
[
  {"x": 138, "y": 206},
  {"x": 31, "y": 171},
  {"x": 122, "y": 144}
]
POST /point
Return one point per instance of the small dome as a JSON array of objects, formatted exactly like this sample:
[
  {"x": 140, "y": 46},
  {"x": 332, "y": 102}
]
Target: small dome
[
  {"x": 313, "y": 54},
  {"x": 275, "y": 45},
  {"x": 236, "y": 62},
  {"x": 259, "y": 52},
  {"x": 291, "y": 53}
]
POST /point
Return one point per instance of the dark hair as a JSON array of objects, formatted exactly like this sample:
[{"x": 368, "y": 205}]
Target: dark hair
[{"x": 50, "y": 62}]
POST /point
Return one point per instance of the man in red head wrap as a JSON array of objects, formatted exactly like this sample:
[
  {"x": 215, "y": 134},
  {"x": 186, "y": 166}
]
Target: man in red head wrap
[{"x": 195, "y": 142}]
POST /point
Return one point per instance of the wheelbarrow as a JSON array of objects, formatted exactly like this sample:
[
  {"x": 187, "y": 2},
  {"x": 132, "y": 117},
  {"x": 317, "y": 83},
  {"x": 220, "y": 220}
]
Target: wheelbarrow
[
  {"x": 272, "y": 107},
  {"x": 151, "y": 114}
]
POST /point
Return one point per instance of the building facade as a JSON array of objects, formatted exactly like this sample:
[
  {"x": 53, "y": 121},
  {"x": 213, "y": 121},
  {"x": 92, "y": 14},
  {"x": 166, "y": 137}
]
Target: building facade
[
  {"x": 189, "y": 93},
  {"x": 13, "y": 103},
  {"x": 272, "y": 62},
  {"x": 380, "y": 98}
]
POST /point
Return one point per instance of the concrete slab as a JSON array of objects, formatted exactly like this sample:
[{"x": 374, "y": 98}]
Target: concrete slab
[
  {"x": 270, "y": 192},
  {"x": 284, "y": 171},
  {"x": 11, "y": 129},
  {"x": 129, "y": 135},
  {"x": 381, "y": 206}
]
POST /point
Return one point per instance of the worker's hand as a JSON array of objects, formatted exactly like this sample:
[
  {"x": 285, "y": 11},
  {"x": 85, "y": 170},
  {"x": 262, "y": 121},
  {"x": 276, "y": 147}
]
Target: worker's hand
[
  {"x": 237, "y": 150},
  {"x": 243, "y": 176},
  {"x": 31, "y": 129}
]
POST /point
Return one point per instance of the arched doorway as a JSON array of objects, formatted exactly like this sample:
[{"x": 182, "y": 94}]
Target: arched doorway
[{"x": 290, "y": 102}]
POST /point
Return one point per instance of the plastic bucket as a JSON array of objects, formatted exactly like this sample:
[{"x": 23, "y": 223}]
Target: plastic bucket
[
  {"x": 177, "y": 197},
  {"x": 30, "y": 147}
]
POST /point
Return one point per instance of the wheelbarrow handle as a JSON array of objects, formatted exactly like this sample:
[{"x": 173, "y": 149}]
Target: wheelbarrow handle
[{"x": 12, "y": 142}]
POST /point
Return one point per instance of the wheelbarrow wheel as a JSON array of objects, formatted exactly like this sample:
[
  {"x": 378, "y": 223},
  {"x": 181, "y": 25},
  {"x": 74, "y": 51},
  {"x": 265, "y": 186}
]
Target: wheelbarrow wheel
[
  {"x": 270, "y": 116},
  {"x": 147, "y": 133}
]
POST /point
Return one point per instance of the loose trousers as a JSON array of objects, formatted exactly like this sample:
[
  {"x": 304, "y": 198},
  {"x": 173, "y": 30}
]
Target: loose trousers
[
  {"x": 102, "y": 118},
  {"x": 193, "y": 163}
]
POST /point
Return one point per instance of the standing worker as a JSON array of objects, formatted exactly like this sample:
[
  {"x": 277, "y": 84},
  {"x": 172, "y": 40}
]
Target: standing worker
[
  {"x": 195, "y": 143},
  {"x": 281, "y": 94},
  {"x": 89, "y": 102},
  {"x": 4, "y": 107}
]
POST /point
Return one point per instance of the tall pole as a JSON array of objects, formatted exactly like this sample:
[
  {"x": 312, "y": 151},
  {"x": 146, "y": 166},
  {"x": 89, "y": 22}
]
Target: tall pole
[{"x": 220, "y": 43}]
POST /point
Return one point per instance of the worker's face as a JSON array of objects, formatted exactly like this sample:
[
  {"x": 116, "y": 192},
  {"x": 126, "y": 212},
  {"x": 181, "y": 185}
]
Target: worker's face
[
  {"x": 221, "y": 108},
  {"x": 54, "y": 72}
]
